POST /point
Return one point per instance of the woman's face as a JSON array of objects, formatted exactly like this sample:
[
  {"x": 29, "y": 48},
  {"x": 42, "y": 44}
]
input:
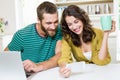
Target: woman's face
[{"x": 74, "y": 24}]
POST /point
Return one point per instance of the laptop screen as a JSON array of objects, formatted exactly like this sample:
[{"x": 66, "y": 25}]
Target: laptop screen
[{"x": 11, "y": 67}]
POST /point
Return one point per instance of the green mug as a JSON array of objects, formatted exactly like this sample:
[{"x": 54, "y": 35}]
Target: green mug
[{"x": 106, "y": 22}]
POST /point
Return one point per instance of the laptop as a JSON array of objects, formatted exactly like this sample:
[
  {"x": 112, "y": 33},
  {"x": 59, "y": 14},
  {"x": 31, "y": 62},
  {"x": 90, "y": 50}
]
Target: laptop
[{"x": 11, "y": 67}]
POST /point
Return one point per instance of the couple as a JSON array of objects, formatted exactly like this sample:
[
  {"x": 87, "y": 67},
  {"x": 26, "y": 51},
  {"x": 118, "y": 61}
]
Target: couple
[{"x": 43, "y": 46}]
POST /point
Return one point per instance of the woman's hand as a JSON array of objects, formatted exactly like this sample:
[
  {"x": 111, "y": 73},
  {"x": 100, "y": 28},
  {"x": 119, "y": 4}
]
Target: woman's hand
[
  {"x": 65, "y": 71},
  {"x": 113, "y": 28}
]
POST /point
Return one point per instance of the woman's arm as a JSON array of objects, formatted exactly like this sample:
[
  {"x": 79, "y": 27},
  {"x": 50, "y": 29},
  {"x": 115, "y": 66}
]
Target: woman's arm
[{"x": 104, "y": 46}]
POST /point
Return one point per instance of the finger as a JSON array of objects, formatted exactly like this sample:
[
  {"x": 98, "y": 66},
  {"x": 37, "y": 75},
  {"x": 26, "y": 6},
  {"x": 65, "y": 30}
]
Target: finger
[
  {"x": 113, "y": 29},
  {"x": 62, "y": 67},
  {"x": 113, "y": 25},
  {"x": 26, "y": 62},
  {"x": 26, "y": 65},
  {"x": 113, "y": 22},
  {"x": 64, "y": 71},
  {"x": 67, "y": 73},
  {"x": 27, "y": 68}
]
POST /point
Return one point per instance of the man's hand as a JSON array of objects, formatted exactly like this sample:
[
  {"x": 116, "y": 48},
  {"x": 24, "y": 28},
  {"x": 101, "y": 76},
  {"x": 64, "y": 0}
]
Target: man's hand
[{"x": 30, "y": 66}]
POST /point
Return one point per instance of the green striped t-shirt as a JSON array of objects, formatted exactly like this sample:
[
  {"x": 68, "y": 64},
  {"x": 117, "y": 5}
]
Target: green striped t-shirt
[{"x": 32, "y": 46}]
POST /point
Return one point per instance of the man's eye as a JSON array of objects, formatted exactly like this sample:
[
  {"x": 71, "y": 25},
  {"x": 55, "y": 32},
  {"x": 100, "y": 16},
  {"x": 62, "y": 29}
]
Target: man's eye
[
  {"x": 48, "y": 23},
  {"x": 56, "y": 22}
]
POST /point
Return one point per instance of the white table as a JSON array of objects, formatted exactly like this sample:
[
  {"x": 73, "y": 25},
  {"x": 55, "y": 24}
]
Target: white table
[{"x": 92, "y": 72}]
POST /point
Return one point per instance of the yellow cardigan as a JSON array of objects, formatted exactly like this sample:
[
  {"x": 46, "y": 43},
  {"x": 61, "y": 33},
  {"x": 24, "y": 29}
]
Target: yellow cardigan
[{"x": 69, "y": 49}]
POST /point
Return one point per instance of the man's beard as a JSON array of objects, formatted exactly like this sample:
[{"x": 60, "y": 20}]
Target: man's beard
[{"x": 46, "y": 32}]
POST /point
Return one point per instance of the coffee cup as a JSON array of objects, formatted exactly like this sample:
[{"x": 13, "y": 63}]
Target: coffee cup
[{"x": 106, "y": 22}]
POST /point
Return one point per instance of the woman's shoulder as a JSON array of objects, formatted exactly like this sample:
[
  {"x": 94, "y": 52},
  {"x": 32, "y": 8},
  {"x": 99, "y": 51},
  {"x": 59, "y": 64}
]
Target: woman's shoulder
[
  {"x": 99, "y": 33},
  {"x": 97, "y": 30}
]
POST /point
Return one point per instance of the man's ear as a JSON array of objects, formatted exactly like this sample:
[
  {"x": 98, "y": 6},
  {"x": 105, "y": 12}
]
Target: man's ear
[{"x": 38, "y": 20}]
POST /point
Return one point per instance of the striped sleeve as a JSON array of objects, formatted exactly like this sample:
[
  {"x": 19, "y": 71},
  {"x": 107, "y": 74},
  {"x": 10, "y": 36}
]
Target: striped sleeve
[{"x": 17, "y": 42}]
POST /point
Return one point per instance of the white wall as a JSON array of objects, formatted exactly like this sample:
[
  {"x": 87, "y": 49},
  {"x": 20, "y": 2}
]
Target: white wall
[
  {"x": 10, "y": 10},
  {"x": 7, "y": 11},
  {"x": 112, "y": 47},
  {"x": 29, "y": 10},
  {"x": 19, "y": 13}
]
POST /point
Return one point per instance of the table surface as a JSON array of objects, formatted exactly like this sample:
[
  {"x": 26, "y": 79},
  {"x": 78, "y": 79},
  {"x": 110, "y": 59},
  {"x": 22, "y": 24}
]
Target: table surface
[{"x": 89, "y": 72}]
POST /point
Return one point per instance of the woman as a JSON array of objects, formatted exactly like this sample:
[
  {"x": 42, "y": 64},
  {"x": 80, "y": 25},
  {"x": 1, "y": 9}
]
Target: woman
[{"x": 81, "y": 40}]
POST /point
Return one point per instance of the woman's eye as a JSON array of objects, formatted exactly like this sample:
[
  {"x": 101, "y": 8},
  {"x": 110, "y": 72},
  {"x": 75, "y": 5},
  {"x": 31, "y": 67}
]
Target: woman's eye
[
  {"x": 69, "y": 24},
  {"x": 76, "y": 21}
]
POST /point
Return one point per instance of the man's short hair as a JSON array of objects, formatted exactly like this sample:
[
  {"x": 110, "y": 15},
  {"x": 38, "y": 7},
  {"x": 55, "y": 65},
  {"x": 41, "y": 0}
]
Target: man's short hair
[{"x": 46, "y": 7}]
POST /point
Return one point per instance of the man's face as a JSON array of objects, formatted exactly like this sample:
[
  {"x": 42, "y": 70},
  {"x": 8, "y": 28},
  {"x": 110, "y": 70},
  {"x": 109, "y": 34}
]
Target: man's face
[{"x": 49, "y": 24}]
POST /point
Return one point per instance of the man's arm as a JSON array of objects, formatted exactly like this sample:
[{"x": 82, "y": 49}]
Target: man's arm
[{"x": 52, "y": 62}]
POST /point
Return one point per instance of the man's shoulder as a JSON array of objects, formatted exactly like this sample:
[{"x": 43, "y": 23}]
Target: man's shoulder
[
  {"x": 28, "y": 28},
  {"x": 25, "y": 31},
  {"x": 59, "y": 32},
  {"x": 59, "y": 29}
]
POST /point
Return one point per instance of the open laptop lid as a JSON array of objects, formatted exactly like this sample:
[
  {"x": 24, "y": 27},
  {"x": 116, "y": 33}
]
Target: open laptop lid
[{"x": 11, "y": 67}]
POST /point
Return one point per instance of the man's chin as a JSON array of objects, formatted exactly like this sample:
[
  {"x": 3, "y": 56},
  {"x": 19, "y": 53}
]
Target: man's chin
[{"x": 51, "y": 34}]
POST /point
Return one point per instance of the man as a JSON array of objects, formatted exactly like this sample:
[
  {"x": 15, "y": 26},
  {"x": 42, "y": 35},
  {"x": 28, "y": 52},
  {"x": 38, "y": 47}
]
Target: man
[{"x": 39, "y": 43}]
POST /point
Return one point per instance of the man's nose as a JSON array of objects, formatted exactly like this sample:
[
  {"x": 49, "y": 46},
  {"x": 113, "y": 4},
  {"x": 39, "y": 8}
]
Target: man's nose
[{"x": 53, "y": 26}]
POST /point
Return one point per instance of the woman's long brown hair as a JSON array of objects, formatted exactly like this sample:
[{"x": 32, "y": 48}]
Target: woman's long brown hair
[{"x": 80, "y": 14}]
